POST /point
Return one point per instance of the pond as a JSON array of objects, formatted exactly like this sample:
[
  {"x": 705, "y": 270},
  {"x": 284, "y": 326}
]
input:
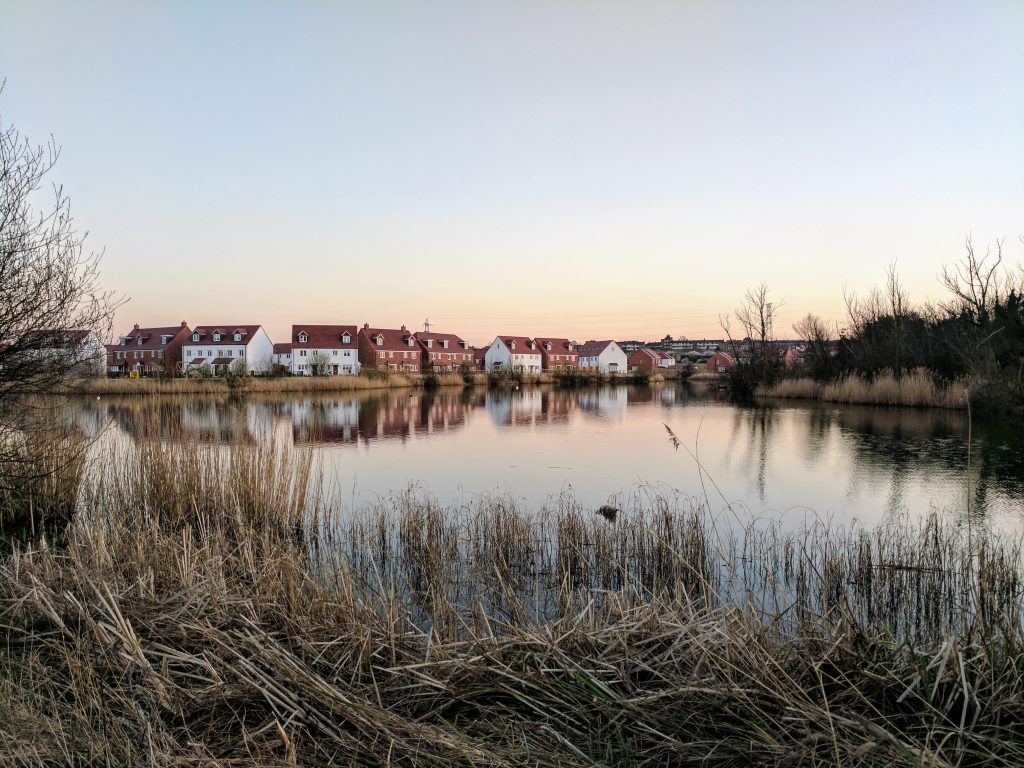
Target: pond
[{"x": 787, "y": 460}]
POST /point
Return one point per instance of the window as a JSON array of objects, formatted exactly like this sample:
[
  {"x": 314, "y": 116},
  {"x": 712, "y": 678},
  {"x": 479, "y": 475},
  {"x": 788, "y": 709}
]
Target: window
[
  {"x": 138, "y": 340},
  {"x": 238, "y": 337},
  {"x": 302, "y": 352},
  {"x": 346, "y": 338},
  {"x": 444, "y": 343},
  {"x": 216, "y": 337},
  {"x": 160, "y": 353},
  {"x": 138, "y": 355},
  {"x": 303, "y": 338},
  {"x": 195, "y": 337},
  {"x": 120, "y": 355},
  {"x": 391, "y": 354}
]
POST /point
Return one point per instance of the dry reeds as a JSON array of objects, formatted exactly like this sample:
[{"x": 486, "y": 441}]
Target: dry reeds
[
  {"x": 914, "y": 389},
  {"x": 212, "y": 607},
  {"x": 217, "y": 386}
]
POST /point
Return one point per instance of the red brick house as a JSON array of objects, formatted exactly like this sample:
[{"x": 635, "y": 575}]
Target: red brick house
[
  {"x": 558, "y": 354},
  {"x": 388, "y": 348},
  {"x": 151, "y": 351},
  {"x": 720, "y": 362},
  {"x": 443, "y": 351},
  {"x": 643, "y": 360}
]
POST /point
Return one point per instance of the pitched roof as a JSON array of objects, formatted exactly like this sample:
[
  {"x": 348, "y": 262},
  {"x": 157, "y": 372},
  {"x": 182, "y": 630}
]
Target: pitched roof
[
  {"x": 227, "y": 334},
  {"x": 396, "y": 340},
  {"x": 57, "y": 338},
  {"x": 324, "y": 336},
  {"x": 593, "y": 348},
  {"x": 644, "y": 352},
  {"x": 522, "y": 345},
  {"x": 151, "y": 336},
  {"x": 453, "y": 340},
  {"x": 558, "y": 346},
  {"x": 282, "y": 348}
]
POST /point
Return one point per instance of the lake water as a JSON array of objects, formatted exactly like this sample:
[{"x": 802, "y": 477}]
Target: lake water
[{"x": 785, "y": 460}]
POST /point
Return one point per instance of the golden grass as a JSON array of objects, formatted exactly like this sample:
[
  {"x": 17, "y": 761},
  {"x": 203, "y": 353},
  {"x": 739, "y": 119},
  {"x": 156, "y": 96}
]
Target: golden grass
[
  {"x": 913, "y": 389},
  {"x": 212, "y": 607},
  {"x": 155, "y": 386}
]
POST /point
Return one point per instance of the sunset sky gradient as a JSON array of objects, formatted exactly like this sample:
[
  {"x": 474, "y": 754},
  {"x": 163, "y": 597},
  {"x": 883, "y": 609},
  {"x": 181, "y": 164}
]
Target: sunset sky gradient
[{"x": 580, "y": 169}]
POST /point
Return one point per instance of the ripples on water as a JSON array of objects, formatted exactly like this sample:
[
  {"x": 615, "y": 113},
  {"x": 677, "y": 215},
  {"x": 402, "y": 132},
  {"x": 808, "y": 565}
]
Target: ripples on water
[{"x": 787, "y": 460}]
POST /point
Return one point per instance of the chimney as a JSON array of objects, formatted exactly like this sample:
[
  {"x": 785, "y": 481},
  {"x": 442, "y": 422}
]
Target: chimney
[
  {"x": 404, "y": 329},
  {"x": 184, "y": 324},
  {"x": 136, "y": 327},
  {"x": 366, "y": 326}
]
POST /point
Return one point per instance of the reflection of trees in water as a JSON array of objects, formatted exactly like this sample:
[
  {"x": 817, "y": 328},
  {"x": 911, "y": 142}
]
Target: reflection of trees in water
[{"x": 901, "y": 443}]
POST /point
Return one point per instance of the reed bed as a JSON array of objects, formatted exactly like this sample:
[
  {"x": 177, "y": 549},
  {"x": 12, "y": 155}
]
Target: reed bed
[
  {"x": 212, "y": 606},
  {"x": 912, "y": 389},
  {"x": 256, "y": 384}
]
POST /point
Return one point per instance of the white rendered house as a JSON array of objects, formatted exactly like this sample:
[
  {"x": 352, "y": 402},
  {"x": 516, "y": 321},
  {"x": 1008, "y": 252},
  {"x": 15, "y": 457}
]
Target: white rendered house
[
  {"x": 219, "y": 347},
  {"x": 518, "y": 354},
  {"x": 324, "y": 350},
  {"x": 606, "y": 356}
]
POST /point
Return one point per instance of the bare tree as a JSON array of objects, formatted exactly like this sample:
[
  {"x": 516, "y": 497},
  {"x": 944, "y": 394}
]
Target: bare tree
[
  {"x": 319, "y": 364},
  {"x": 51, "y": 301},
  {"x": 49, "y": 284},
  {"x": 756, "y": 359},
  {"x": 977, "y": 283}
]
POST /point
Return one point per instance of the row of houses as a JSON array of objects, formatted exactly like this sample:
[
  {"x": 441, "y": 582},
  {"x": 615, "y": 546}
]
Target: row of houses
[{"x": 342, "y": 350}]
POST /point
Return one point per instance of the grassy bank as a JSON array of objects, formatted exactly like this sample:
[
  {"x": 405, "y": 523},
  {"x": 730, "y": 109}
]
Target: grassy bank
[
  {"x": 212, "y": 607},
  {"x": 155, "y": 386},
  {"x": 913, "y": 389}
]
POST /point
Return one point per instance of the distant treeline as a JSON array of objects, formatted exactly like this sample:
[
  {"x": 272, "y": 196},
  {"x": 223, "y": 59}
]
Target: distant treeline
[{"x": 976, "y": 333}]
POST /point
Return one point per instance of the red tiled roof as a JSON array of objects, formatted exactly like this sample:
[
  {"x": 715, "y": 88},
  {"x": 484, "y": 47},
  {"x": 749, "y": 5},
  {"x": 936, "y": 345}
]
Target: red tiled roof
[
  {"x": 522, "y": 345},
  {"x": 150, "y": 336},
  {"x": 454, "y": 342},
  {"x": 644, "y": 352},
  {"x": 224, "y": 360},
  {"x": 558, "y": 346},
  {"x": 282, "y": 348},
  {"x": 393, "y": 340},
  {"x": 593, "y": 348},
  {"x": 324, "y": 336},
  {"x": 227, "y": 334},
  {"x": 58, "y": 338}
]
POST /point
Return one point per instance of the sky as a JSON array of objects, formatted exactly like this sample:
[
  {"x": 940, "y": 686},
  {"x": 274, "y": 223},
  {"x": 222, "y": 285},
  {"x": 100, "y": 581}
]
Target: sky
[{"x": 580, "y": 169}]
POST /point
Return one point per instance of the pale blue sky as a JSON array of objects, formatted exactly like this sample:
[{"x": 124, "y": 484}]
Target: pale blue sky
[{"x": 589, "y": 169}]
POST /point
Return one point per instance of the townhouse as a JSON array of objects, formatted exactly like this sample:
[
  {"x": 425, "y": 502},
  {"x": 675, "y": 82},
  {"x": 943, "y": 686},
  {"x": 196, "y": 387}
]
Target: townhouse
[
  {"x": 443, "y": 351},
  {"x": 150, "y": 351},
  {"x": 605, "y": 356},
  {"x": 518, "y": 354},
  {"x": 394, "y": 350},
  {"x": 77, "y": 352},
  {"x": 219, "y": 347},
  {"x": 324, "y": 350},
  {"x": 558, "y": 354}
]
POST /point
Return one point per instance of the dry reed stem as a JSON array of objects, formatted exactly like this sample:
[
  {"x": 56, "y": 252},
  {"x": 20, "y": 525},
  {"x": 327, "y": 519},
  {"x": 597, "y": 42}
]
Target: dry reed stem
[{"x": 212, "y": 607}]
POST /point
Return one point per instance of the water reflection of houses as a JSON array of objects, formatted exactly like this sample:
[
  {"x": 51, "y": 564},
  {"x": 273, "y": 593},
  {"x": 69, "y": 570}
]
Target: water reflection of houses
[
  {"x": 377, "y": 417},
  {"x": 522, "y": 408},
  {"x": 206, "y": 420},
  {"x": 609, "y": 403}
]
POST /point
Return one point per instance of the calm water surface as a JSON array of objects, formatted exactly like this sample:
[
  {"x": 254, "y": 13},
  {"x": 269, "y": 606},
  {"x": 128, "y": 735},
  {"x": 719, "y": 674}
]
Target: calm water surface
[{"x": 782, "y": 460}]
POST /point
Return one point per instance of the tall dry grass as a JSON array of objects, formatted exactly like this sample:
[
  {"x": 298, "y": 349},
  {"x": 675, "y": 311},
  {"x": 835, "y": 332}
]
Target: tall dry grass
[
  {"x": 217, "y": 386},
  {"x": 914, "y": 389},
  {"x": 213, "y": 607}
]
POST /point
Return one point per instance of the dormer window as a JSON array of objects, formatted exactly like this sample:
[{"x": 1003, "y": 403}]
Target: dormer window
[
  {"x": 410, "y": 341},
  {"x": 195, "y": 337},
  {"x": 303, "y": 338},
  {"x": 216, "y": 337},
  {"x": 380, "y": 339},
  {"x": 430, "y": 343},
  {"x": 444, "y": 343},
  {"x": 346, "y": 338},
  {"x": 165, "y": 338},
  {"x": 547, "y": 346},
  {"x": 139, "y": 340},
  {"x": 238, "y": 336},
  {"x": 512, "y": 344}
]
